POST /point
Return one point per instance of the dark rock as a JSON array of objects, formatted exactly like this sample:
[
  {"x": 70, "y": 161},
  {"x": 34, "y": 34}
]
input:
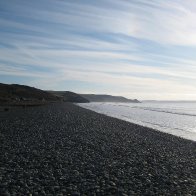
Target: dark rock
[{"x": 75, "y": 194}]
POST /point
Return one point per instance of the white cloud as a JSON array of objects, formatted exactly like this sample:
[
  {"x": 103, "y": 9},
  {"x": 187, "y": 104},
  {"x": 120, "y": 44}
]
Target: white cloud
[
  {"x": 168, "y": 22},
  {"x": 15, "y": 71},
  {"x": 104, "y": 45}
]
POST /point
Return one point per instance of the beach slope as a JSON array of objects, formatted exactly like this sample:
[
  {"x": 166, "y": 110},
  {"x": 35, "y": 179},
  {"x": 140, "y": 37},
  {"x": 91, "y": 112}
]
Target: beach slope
[{"x": 65, "y": 149}]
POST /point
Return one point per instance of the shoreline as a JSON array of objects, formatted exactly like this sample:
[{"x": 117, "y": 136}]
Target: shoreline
[
  {"x": 169, "y": 130},
  {"x": 65, "y": 149}
]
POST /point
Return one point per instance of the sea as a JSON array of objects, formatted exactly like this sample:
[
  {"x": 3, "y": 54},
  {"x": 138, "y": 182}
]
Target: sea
[{"x": 174, "y": 117}]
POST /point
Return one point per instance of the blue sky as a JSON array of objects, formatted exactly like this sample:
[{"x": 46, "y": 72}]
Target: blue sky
[{"x": 136, "y": 48}]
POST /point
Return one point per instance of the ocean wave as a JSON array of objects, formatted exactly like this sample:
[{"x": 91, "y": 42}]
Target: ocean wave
[
  {"x": 164, "y": 111},
  {"x": 153, "y": 124}
]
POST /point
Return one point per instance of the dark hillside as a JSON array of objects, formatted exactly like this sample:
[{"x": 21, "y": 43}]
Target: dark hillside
[
  {"x": 68, "y": 96},
  {"x": 15, "y": 93},
  {"x": 108, "y": 98}
]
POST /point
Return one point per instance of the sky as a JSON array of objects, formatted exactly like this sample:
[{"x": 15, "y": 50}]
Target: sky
[{"x": 144, "y": 49}]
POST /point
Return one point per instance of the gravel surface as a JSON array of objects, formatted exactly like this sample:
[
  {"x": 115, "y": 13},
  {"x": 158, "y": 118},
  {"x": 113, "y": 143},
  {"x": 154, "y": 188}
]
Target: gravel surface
[{"x": 62, "y": 149}]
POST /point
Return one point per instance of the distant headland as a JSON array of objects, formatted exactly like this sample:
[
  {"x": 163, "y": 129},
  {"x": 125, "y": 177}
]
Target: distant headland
[{"x": 15, "y": 94}]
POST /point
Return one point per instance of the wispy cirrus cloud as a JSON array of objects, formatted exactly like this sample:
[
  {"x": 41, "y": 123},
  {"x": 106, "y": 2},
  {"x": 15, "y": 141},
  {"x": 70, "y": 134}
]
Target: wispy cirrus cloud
[{"x": 141, "y": 47}]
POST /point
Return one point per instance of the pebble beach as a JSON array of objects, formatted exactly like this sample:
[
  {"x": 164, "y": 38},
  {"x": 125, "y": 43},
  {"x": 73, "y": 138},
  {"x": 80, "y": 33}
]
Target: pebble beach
[{"x": 63, "y": 149}]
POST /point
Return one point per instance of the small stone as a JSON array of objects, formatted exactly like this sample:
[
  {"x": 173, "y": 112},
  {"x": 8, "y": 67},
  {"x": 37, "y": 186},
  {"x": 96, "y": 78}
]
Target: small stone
[
  {"x": 6, "y": 194},
  {"x": 75, "y": 194},
  {"x": 112, "y": 183},
  {"x": 56, "y": 188},
  {"x": 124, "y": 194},
  {"x": 76, "y": 172}
]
